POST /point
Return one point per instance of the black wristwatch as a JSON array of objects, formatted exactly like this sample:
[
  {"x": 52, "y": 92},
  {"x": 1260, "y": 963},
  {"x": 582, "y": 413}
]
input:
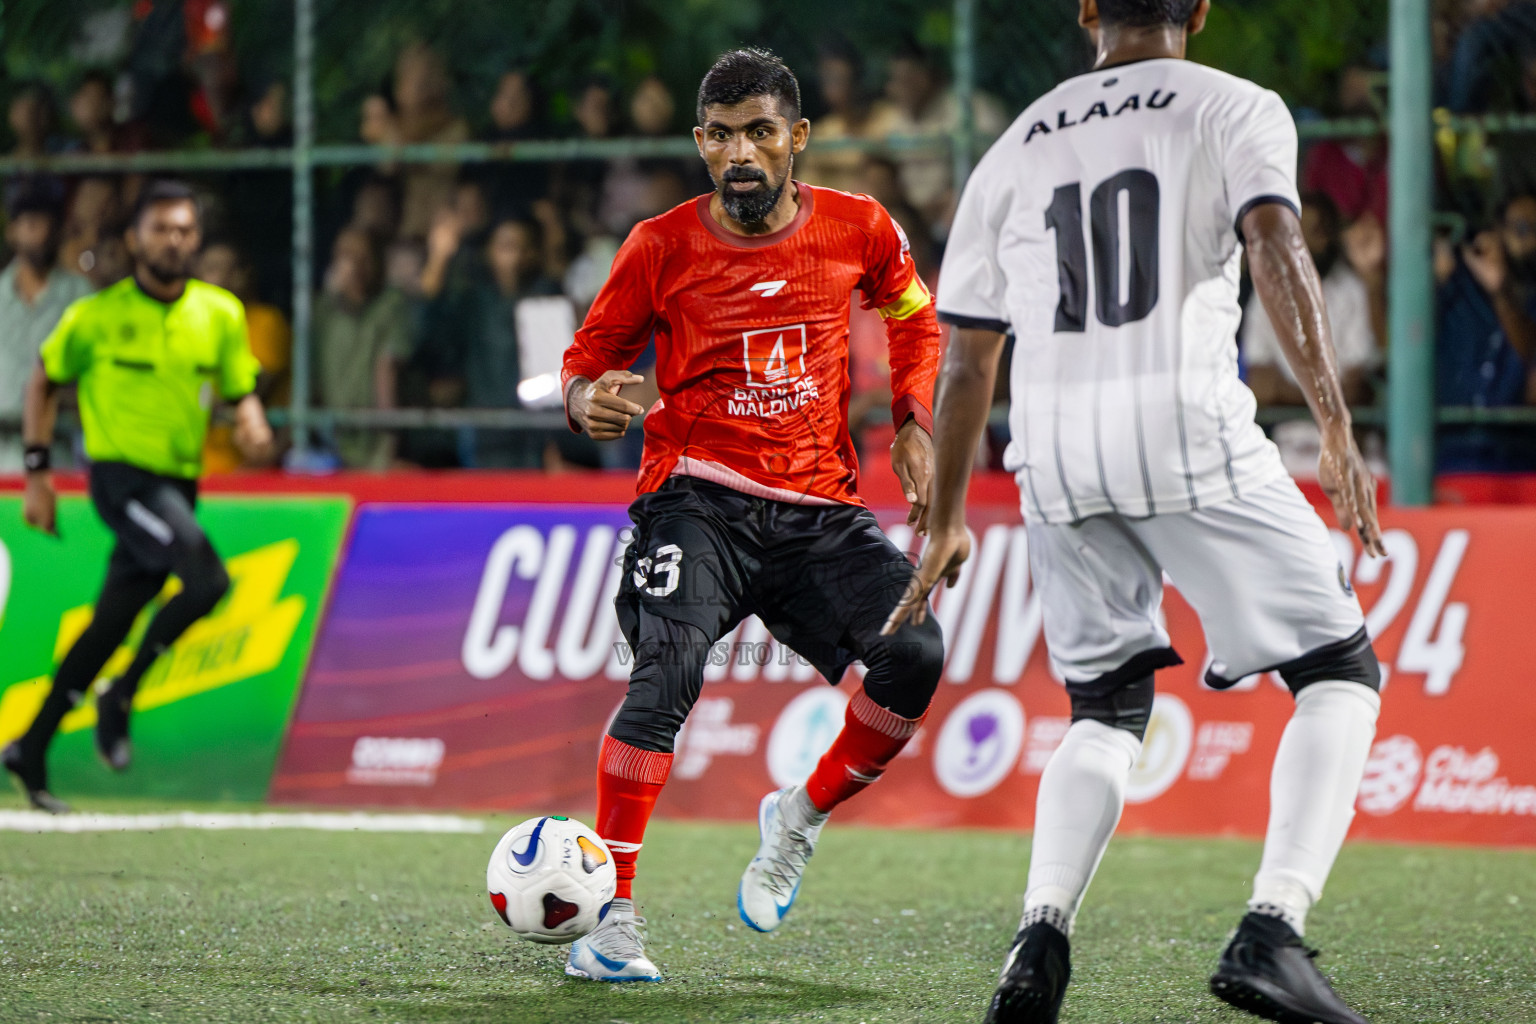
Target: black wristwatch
[{"x": 36, "y": 458}]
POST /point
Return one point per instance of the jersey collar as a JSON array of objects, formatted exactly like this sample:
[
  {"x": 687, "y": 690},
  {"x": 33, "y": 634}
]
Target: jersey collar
[{"x": 807, "y": 202}]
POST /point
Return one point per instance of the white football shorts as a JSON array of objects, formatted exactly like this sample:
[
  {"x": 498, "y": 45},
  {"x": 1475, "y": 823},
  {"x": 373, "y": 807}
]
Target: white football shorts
[{"x": 1260, "y": 571}]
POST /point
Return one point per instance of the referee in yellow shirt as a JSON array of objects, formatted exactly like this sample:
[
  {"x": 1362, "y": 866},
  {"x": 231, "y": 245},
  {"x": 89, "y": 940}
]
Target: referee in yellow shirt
[{"x": 151, "y": 354}]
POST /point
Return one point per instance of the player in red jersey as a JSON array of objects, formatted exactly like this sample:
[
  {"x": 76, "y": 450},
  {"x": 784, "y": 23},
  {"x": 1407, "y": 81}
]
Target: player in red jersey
[{"x": 747, "y": 493}]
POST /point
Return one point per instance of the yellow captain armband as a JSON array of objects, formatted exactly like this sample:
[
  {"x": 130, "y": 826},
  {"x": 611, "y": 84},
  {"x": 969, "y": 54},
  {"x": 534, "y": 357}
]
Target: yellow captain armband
[{"x": 911, "y": 301}]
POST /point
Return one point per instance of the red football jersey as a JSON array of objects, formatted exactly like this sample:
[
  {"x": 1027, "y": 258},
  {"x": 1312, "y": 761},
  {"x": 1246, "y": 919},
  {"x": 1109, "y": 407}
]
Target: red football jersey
[{"x": 752, "y": 342}]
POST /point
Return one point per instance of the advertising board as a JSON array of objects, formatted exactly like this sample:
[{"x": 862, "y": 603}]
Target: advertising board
[{"x": 471, "y": 658}]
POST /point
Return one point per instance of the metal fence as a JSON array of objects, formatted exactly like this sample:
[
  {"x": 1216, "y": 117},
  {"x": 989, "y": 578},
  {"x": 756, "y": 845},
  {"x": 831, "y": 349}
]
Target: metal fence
[{"x": 1010, "y": 50}]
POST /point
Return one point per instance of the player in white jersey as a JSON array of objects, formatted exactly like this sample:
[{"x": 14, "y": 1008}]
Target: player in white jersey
[{"x": 1105, "y": 231}]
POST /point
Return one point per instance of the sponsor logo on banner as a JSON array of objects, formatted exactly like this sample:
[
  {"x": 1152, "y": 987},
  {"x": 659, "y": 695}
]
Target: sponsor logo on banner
[
  {"x": 1391, "y": 775},
  {"x": 1045, "y": 734},
  {"x": 979, "y": 743},
  {"x": 1215, "y": 746},
  {"x": 1164, "y": 750},
  {"x": 395, "y": 761},
  {"x": 1459, "y": 781},
  {"x": 805, "y": 729},
  {"x": 1454, "y": 781},
  {"x": 247, "y": 635},
  {"x": 709, "y": 732}
]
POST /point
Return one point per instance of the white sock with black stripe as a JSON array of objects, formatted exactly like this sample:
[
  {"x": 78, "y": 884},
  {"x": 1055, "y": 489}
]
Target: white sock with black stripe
[
  {"x": 1082, "y": 793},
  {"x": 1312, "y": 790}
]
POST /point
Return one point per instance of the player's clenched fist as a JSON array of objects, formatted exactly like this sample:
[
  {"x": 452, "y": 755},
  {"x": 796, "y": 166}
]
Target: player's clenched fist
[{"x": 595, "y": 405}]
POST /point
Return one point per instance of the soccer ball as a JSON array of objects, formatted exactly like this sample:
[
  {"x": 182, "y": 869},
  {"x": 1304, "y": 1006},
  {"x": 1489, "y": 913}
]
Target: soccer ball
[{"x": 551, "y": 879}]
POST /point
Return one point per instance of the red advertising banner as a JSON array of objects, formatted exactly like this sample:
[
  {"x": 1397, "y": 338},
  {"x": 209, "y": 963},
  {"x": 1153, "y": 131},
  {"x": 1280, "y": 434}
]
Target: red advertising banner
[{"x": 470, "y": 658}]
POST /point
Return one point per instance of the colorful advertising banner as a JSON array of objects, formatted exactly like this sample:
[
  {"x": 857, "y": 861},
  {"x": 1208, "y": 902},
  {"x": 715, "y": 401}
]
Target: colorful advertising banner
[
  {"x": 210, "y": 714},
  {"x": 471, "y": 659}
]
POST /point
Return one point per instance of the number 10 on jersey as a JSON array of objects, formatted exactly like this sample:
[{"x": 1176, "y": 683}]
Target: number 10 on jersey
[{"x": 1123, "y": 214}]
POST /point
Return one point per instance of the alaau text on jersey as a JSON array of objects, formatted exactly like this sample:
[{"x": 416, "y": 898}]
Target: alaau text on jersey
[{"x": 1156, "y": 101}]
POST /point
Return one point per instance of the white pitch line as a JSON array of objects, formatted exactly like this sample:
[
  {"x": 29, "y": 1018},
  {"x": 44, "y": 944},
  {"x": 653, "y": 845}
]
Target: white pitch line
[{"x": 38, "y": 821}]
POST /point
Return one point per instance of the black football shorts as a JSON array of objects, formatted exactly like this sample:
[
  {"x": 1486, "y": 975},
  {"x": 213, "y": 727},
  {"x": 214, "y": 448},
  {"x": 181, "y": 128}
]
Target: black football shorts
[{"x": 823, "y": 578}]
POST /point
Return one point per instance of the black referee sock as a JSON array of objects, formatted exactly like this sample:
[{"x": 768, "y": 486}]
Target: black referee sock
[{"x": 34, "y": 742}]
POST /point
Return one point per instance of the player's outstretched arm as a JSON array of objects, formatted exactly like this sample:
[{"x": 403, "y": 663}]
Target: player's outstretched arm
[
  {"x": 595, "y": 405},
  {"x": 40, "y": 409},
  {"x": 964, "y": 399},
  {"x": 1287, "y": 282}
]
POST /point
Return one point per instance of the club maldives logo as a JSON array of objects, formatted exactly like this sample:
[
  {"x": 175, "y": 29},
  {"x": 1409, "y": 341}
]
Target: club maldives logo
[
  {"x": 1164, "y": 750},
  {"x": 1391, "y": 775},
  {"x": 805, "y": 729},
  {"x": 1452, "y": 779},
  {"x": 979, "y": 743}
]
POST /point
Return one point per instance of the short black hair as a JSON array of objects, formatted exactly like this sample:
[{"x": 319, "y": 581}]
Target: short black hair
[
  {"x": 165, "y": 191},
  {"x": 100, "y": 77},
  {"x": 35, "y": 194},
  {"x": 1146, "y": 13},
  {"x": 1326, "y": 208},
  {"x": 740, "y": 74}
]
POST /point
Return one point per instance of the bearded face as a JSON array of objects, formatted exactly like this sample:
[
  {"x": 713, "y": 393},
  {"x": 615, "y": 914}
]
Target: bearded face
[{"x": 748, "y": 194}]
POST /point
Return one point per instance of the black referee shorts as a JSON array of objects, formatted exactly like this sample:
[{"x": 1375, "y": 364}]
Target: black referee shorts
[
  {"x": 150, "y": 514},
  {"x": 823, "y": 578}
]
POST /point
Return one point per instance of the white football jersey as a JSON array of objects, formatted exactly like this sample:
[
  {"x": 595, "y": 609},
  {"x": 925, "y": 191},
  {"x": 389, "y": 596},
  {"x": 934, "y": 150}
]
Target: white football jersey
[{"x": 1102, "y": 229}]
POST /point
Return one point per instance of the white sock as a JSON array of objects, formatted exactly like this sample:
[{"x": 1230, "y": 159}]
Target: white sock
[
  {"x": 1081, "y": 795},
  {"x": 1312, "y": 790}
]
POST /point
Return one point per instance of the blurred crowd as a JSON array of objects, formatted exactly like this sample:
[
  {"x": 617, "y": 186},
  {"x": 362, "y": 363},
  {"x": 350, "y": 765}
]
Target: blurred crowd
[{"x": 451, "y": 286}]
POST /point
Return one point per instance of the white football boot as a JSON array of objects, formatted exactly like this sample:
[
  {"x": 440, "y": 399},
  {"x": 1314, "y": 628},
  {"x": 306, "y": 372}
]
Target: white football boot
[
  {"x": 789, "y": 824},
  {"x": 614, "y": 950}
]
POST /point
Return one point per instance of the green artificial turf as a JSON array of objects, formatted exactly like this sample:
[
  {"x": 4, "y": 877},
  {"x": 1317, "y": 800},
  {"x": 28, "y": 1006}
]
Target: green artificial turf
[{"x": 891, "y": 926}]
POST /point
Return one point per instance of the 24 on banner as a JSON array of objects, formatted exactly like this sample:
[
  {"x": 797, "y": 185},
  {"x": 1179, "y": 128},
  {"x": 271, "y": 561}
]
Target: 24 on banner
[{"x": 471, "y": 658}]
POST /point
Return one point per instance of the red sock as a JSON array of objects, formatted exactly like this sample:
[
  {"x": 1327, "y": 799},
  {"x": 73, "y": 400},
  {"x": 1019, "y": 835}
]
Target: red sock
[
  {"x": 871, "y": 736},
  {"x": 629, "y": 780}
]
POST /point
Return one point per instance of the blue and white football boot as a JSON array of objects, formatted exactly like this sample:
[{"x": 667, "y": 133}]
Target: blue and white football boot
[
  {"x": 614, "y": 950},
  {"x": 789, "y": 824}
]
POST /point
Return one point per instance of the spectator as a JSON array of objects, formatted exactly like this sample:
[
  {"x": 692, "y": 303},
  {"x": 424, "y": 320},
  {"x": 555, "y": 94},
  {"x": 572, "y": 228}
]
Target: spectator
[
  {"x": 361, "y": 335},
  {"x": 1517, "y": 150},
  {"x": 577, "y": 186},
  {"x": 635, "y": 189},
  {"x": 1352, "y": 172},
  {"x": 376, "y": 208},
  {"x": 90, "y": 107},
  {"x": 108, "y": 260},
  {"x": 424, "y": 115},
  {"x": 481, "y": 323},
  {"x": 377, "y": 123},
  {"x": 180, "y": 76},
  {"x": 851, "y": 114},
  {"x": 33, "y": 118},
  {"x": 926, "y": 106},
  {"x": 1486, "y": 344},
  {"x": 458, "y": 233},
  {"x": 33, "y": 295},
  {"x": 261, "y": 200},
  {"x": 1348, "y": 298},
  {"x": 517, "y": 114},
  {"x": 1485, "y": 67},
  {"x": 222, "y": 264}
]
